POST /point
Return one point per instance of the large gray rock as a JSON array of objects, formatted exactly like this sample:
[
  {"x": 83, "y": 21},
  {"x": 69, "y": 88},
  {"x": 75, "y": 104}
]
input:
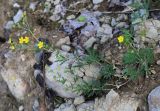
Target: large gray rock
[
  {"x": 114, "y": 102},
  {"x": 14, "y": 70},
  {"x": 89, "y": 42},
  {"x": 62, "y": 77},
  {"x": 87, "y": 106},
  {"x": 66, "y": 107},
  {"x": 149, "y": 31},
  {"x": 154, "y": 99}
]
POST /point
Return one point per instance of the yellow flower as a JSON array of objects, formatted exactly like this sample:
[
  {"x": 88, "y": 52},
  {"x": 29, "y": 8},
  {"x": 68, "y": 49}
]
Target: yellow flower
[
  {"x": 12, "y": 47},
  {"x": 24, "y": 14},
  {"x": 26, "y": 40},
  {"x": 121, "y": 39},
  {"x": 40, "y": 44},
  {"x": 21, "y": 40},
  {"x": 10, "y": 40}
]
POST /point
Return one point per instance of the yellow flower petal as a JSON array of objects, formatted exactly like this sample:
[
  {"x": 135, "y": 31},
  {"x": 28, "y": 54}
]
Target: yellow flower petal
[
  {"x": 121, "y": 39},
  {"x": 12, "y": 47},
  {"x": 10, "y": 40},
  {"x": 40, "y": 44},
  {"x": 21, "y": 40},
  {"x": 26, "y": 40}
]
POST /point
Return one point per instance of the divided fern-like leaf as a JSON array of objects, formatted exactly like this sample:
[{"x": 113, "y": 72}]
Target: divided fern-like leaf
[
  {"x": 130, "y": 57},
  {"x": 147, "y": 55},
  {"x": 92, "y": 57},
  {"x": 107, "y": 71},
  {"x": 131, "y": 72},
  {"x": 89, "y": 89}
]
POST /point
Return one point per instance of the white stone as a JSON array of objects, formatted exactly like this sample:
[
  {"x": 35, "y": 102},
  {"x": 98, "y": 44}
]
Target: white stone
[
  {"x": 14, "y": 70},
  {"x": 147, "y": 32},
  {"x": 71, "y": 108},
  {"x": 105, "y": 38},
  {"x": 158, "y": 62},
  {"x": 66, "y": 48},
  {"x": 87, "y": 106},
  {"x": 63, "y": 41},
  {"x": 107, "y": 29},
  {"x": 54, "y": 17},
  {"x": 121, "y": 25},
  {"x": 154, "y": 99},
  {"x": 79, "y": 100},
  {"x": 9, "y": 25},
  {"x": 16, "y": 5},
  {"x": 97, "y": 1},
  {"x": 62, "y": 76},
  {"x": 66, "y": 107},
  {"x": 56, "y": 2},
  {"x": 16, "y": 84},
  {"x": 92, "y": 70},
  {"x": 89, "y": 42},
  {"x": 152, "y": 32},
  {"x": 21, "y": 108},
  {"x": 18, "y": 16},
  {"x": 70, "y": 17},
  {"x": 114, "y": 102},
  {"x": 33, "y": 5},
  {"x": 58, "y": 75}
]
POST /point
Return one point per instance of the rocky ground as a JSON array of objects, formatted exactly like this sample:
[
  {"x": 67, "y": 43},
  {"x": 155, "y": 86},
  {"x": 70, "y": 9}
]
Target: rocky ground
[{"x": 51, "y": 78}]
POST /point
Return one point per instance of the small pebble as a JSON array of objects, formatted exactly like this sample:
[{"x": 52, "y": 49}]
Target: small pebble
[
  {"x": 158, "y": 62},
  {"x": 21, "y": 108}
]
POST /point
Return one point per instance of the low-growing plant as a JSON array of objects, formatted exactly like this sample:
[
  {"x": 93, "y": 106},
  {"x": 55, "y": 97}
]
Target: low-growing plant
[
  {"x": 137, "y": 62},
  {"x": 95, "y": 87},
  {"x": 89, "y": 89},
  {"x": 107, "y": 71}
]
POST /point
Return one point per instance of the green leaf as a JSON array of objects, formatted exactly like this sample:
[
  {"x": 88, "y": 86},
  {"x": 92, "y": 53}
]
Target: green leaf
[
  {"x": 127, "y": 36},
  {"x": 147, "y": 55},
  {"x": 130, "y": 57},
  {"x": 81, "y": 18},
  {"x": 89, "y": 89},
  {"x": 131, "y": 72},
  {"x": 107, "y": 71},
  {"x": 92, "y": 57}
]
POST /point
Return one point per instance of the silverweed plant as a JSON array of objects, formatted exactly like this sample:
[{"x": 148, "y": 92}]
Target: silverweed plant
[{"x": 136, "y": 61}]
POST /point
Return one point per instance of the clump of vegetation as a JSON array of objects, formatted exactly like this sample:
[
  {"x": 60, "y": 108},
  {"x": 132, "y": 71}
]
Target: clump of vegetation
[
  {"x": 137, "y": 62},
  {"x": 95, "y": 87},
  {"x": 29, "y": 41},
  {"x": 90, "y": 89}
]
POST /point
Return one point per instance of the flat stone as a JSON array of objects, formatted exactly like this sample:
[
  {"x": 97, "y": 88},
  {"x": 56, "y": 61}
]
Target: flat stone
[
  {"x": 97, "y": 1},
  {"x": 107, "y": 29},
  {"x": 66, "y": 48},
  {"x": 79, "y": 100},
  {"x": 114, "y": 102},
  {"x": 33, "y": 5},
  {"x": 9, "y": 25},
  {"x": 63, "y": 41},
  {"x": 154, "y": 99},
  {"x": 92, "y": 71},
  {"x": 89, "y": 42},
  {"x": 18, "y": 16},
  {"x": 158, "y": 62},
  {"x": 54, "y": 17},
  {"x": 70, "y": 17}
]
